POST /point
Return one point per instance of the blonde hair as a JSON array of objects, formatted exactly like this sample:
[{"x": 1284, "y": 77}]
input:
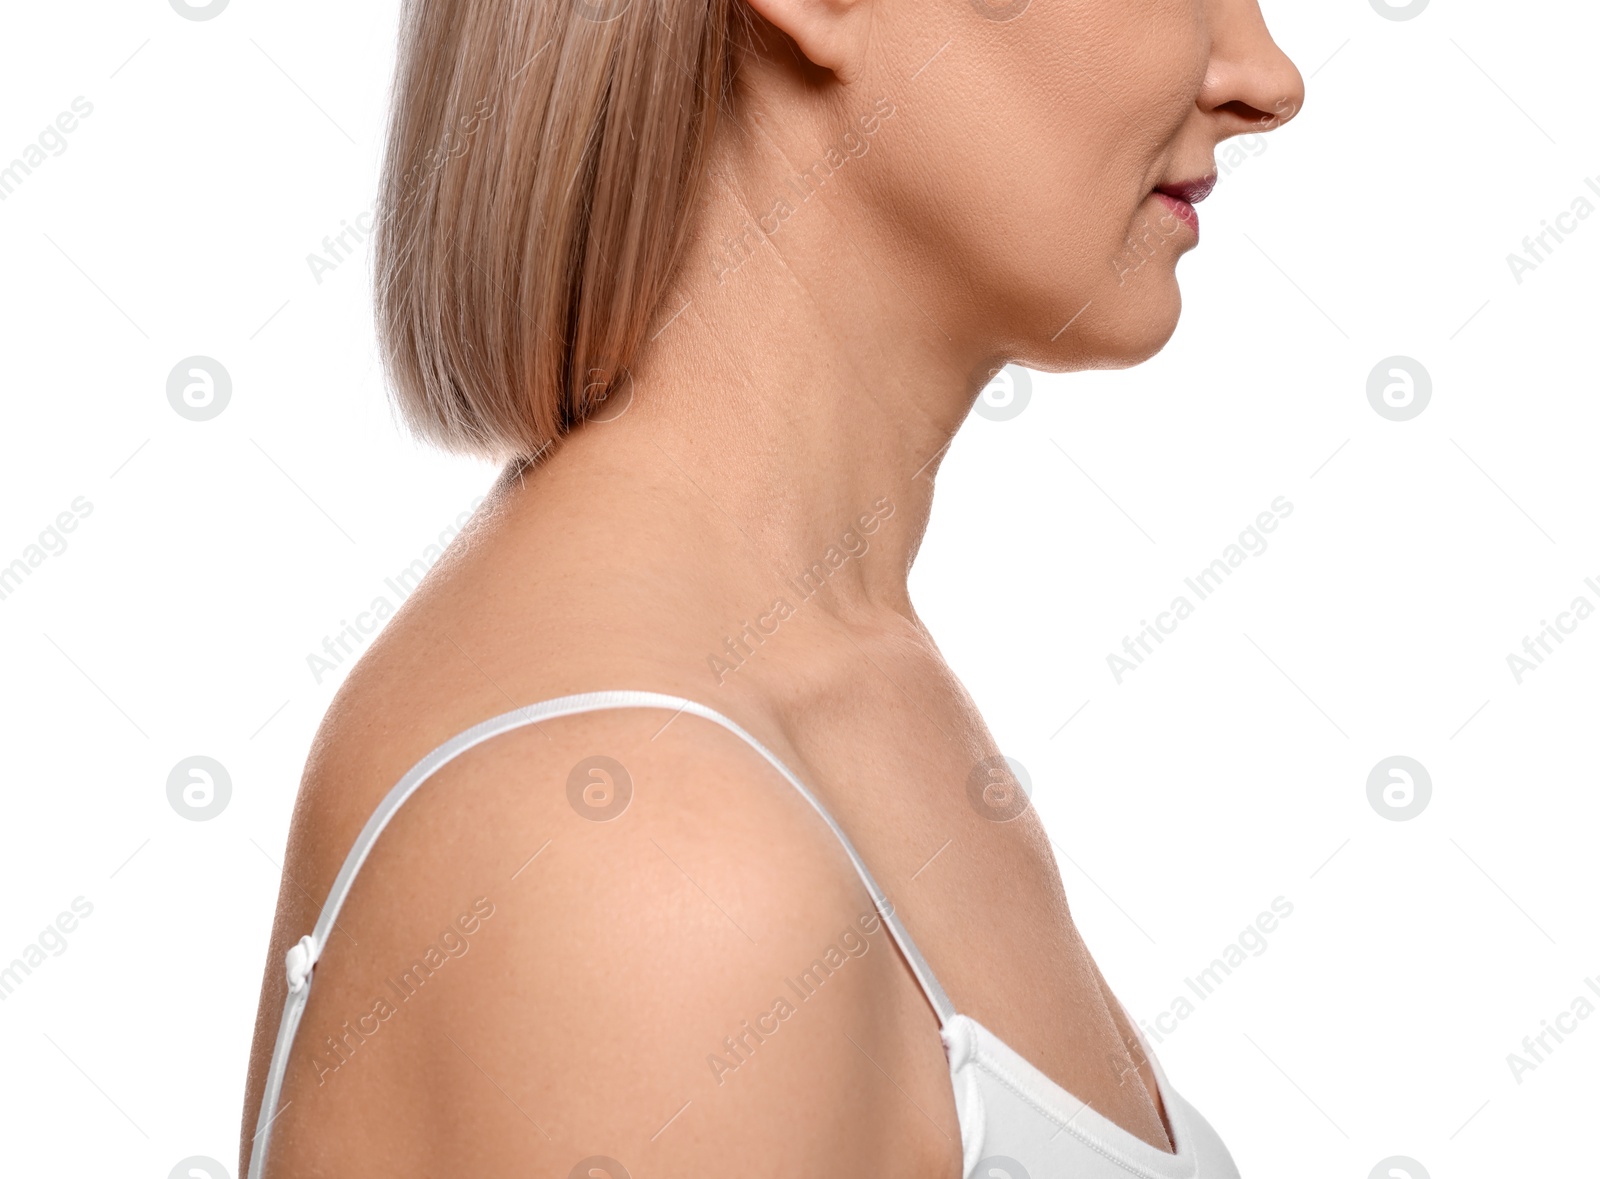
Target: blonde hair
[{"x": 542, "y": 162}]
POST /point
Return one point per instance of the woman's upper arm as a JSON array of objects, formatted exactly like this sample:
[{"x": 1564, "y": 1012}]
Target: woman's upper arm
[{"x": 595, "y": 944}]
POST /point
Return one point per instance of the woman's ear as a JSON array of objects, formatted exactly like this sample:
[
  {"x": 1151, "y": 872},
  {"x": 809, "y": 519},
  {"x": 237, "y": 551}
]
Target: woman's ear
[{"x": 831, "y": 33}]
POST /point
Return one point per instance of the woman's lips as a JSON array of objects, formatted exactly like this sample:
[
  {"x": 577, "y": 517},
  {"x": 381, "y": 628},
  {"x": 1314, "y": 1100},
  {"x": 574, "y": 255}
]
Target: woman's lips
[
  {"x": 1182, "y": 210},
  {"x": 1182, "y": 197},
  {"x": 1192, "y": 191}
]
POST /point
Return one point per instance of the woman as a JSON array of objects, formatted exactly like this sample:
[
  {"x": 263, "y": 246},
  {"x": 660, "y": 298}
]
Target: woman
[{"x": 719, "y": 281}]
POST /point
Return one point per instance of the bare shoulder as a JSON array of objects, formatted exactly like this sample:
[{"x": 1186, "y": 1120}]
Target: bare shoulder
[{"x": 616, "y": 939}]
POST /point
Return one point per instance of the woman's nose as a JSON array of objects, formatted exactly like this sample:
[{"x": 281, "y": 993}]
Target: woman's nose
[{"x": 1251, "y": 85}]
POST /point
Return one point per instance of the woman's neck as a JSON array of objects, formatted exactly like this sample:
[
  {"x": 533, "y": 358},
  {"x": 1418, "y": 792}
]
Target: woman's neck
[{"x": 797, "y": 398}]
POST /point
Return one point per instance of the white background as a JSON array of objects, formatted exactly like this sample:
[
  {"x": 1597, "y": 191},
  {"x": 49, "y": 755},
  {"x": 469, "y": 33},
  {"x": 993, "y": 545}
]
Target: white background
[{"x": 1234, "y": 762}]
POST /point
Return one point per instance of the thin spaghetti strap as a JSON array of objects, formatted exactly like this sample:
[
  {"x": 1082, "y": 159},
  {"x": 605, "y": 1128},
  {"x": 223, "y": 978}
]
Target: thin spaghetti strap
[{"x": 303, "y": 955}]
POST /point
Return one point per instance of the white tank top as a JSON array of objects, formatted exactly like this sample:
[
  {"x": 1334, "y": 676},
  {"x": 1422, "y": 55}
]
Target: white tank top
[{"x": 1016, "y": 1123}]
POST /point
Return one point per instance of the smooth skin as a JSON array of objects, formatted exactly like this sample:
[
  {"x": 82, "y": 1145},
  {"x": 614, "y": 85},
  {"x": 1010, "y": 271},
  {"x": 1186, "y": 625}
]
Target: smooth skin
[{"x": 1004, "y": 211}]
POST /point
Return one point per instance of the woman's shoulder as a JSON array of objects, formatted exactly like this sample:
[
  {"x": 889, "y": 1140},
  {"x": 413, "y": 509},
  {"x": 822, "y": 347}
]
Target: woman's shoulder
[
  {"x": 620, "y": 936},
  {"x": 611, "y": 934}
]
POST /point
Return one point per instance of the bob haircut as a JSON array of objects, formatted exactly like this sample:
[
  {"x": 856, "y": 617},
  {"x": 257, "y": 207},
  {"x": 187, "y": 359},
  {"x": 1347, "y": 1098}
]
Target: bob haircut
[{"x": 543, "y": 160}]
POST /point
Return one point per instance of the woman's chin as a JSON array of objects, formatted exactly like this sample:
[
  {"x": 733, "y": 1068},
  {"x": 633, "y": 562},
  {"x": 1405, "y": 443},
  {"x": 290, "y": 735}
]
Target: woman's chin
[
  {"x": 1145, "y": 339},
  {"x": 1132, "y": 327}
]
